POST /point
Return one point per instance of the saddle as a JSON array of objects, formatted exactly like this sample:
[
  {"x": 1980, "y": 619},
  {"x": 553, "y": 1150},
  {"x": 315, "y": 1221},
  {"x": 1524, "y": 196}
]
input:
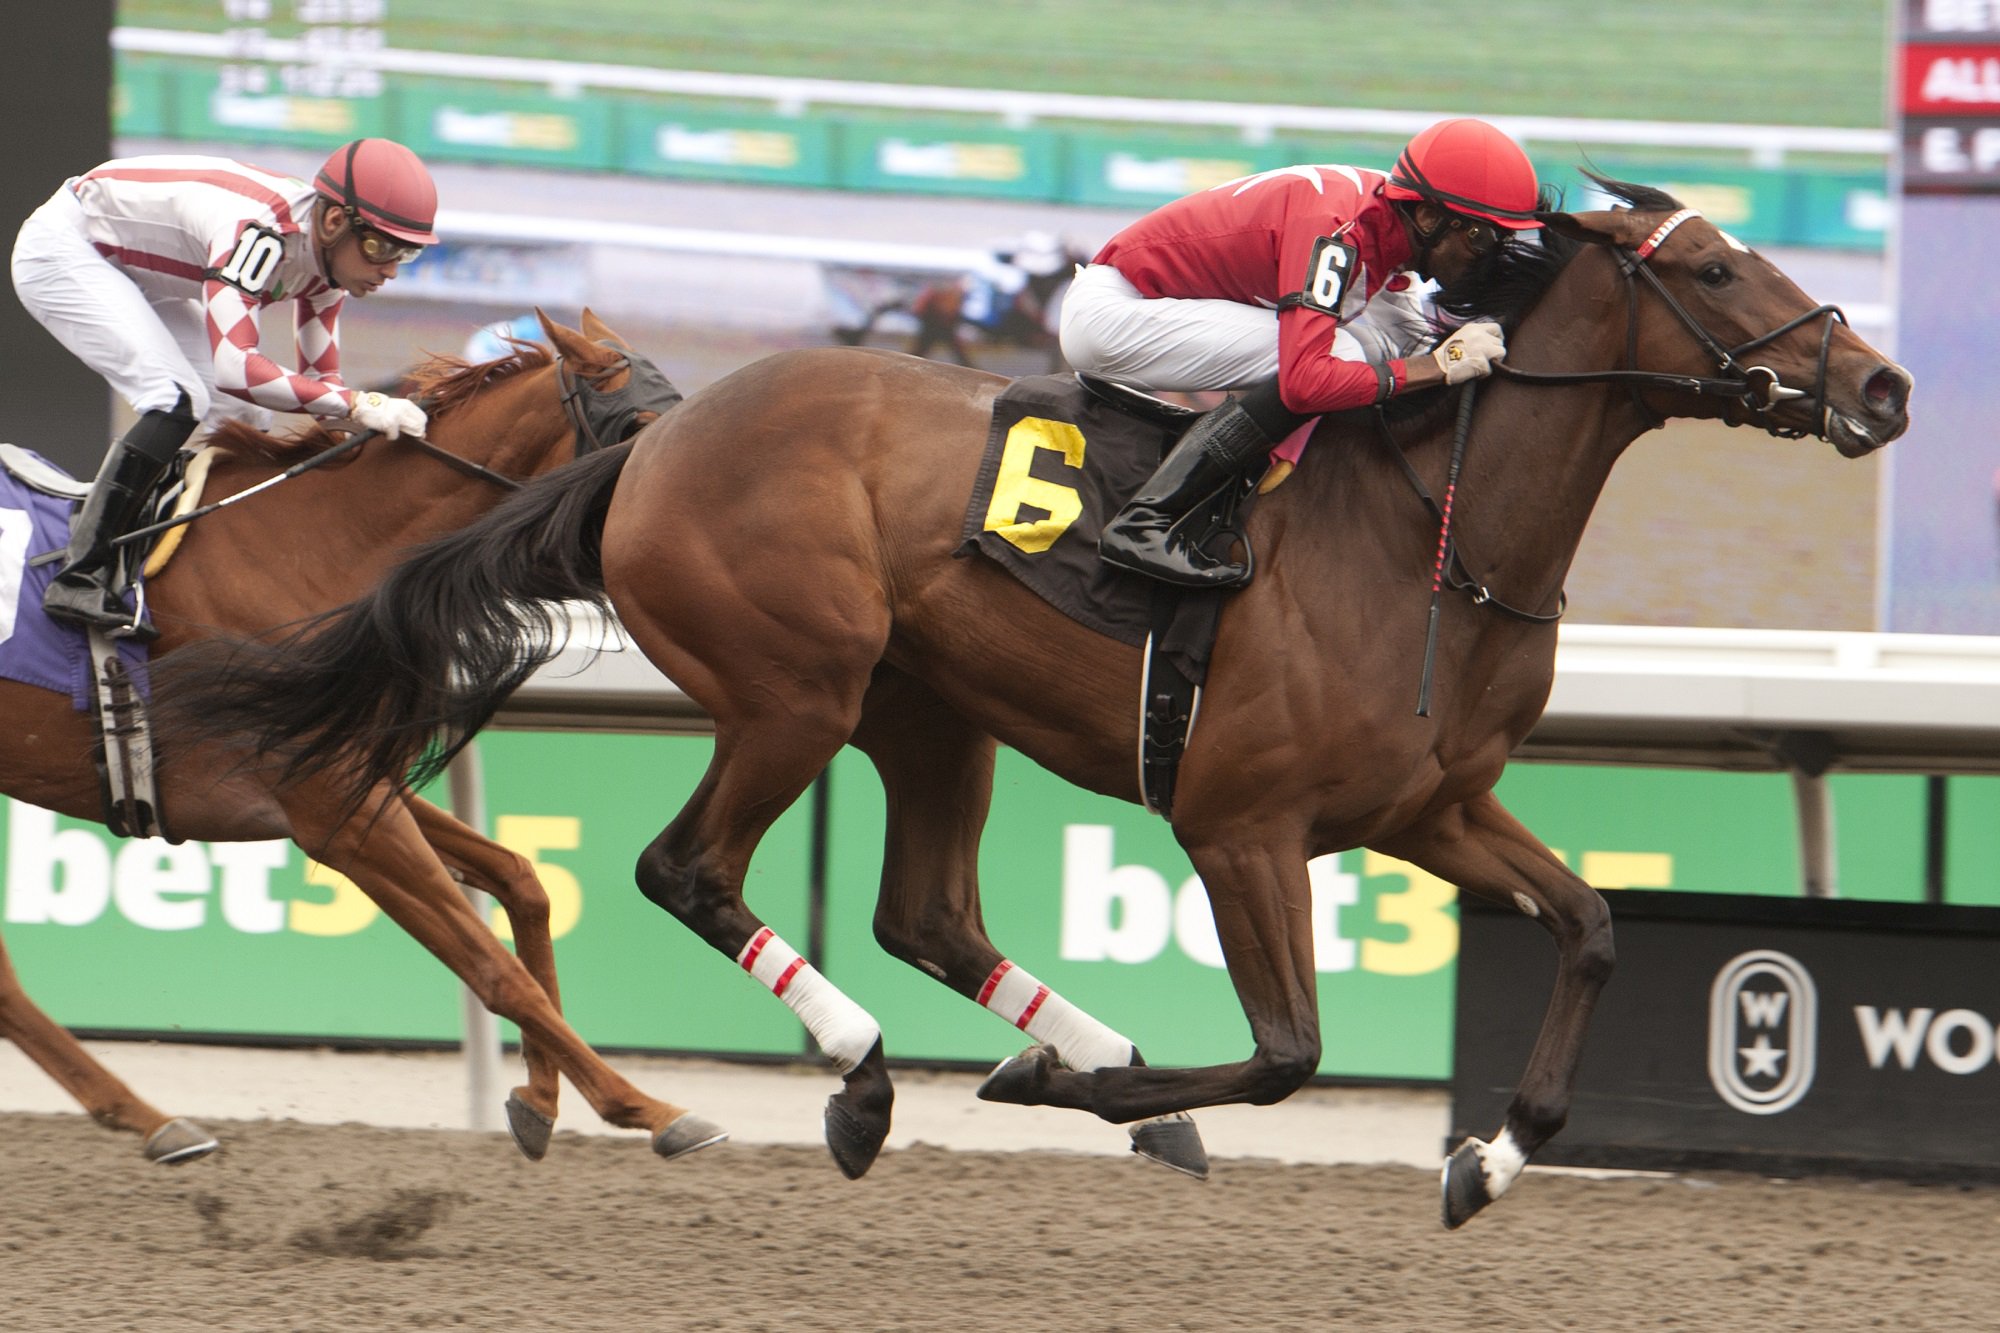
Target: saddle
[{"x": 1063, "y": 454}]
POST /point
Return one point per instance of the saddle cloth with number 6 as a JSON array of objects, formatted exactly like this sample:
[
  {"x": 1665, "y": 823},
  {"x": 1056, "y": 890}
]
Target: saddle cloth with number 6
[{"x": 1060, "y": 460}]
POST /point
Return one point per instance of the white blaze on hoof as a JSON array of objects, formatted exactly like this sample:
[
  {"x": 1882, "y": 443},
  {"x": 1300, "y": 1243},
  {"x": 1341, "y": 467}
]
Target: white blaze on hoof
[{"x": 1500, "y": 1163}]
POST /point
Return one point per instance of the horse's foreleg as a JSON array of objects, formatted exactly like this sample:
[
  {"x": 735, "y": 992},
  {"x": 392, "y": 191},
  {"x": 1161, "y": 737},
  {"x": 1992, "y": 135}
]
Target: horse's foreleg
[
  {"x": 694, "y": 870},
  {"x": 1262, "y": 904},
  {"x": 937, "y": 772},
  {"x": 1483, "y": 849},
  {"x": 486, "y": 865},
  {"x": 382, "y": 850},
  {"x": 167, "y": 1139}
]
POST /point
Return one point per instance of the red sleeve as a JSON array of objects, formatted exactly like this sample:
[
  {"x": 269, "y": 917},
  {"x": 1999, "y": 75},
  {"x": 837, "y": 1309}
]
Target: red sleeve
[{"x": 1311, "y": 379}]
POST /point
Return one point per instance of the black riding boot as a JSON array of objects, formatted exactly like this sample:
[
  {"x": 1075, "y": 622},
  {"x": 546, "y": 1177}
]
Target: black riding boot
[
  {"x": 1143, "y": 537},
  {"x": 83, "y": 591}
]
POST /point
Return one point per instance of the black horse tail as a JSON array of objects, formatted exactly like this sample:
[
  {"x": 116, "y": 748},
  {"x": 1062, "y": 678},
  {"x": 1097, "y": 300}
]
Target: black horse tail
[{"x": 390, "y": 687}]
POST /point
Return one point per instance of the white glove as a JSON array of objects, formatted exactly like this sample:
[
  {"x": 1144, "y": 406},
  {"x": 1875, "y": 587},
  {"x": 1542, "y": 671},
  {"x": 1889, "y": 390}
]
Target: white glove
[
  {"x": 1469, "y": 354},
  {"x": 391, "y": 416}
]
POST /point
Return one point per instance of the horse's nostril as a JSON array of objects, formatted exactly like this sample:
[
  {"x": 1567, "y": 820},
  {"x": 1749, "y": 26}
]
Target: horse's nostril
[{"x": 1886, "y": 390}]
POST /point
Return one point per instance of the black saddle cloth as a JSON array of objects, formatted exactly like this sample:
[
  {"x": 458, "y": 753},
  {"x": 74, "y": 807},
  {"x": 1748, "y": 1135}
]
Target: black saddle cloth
[{"x": 1061, "y": 458}]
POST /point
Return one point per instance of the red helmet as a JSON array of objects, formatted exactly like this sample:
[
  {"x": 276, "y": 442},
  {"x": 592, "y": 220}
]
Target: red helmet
[
  {"x": 384, "y": 185},
  {"x": 1470, "y": 167}
]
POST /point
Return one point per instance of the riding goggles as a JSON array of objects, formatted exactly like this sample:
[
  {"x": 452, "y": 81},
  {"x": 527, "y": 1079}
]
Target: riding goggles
[
  {"x": 1482, "y": 237},
  {"x": 381, "y": 248}
]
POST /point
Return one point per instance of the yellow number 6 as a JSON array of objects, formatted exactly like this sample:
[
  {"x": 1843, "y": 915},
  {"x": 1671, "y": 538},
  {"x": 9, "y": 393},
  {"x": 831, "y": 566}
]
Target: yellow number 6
[{"x": 1013, "y": 487}]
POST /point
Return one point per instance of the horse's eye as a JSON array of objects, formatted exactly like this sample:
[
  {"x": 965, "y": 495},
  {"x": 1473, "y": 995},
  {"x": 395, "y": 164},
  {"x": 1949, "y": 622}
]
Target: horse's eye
[{"x": 1714, "y": 275}]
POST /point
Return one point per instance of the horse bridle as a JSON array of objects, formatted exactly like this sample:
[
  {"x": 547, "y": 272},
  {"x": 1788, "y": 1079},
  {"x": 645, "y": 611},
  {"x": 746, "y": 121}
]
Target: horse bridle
[
  {"x": 596, "y": 414},
  {"x": 598, "y": 417},
  {"x": 1757, "y": 389}
]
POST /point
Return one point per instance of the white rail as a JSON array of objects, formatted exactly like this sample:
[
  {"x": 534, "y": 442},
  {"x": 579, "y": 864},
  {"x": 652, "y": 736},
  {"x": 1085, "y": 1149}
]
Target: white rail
[
  {"x": 1707, "y": 698},
  {"x": 1767, "y": 145},
  {"x": 522, "y": 229}
]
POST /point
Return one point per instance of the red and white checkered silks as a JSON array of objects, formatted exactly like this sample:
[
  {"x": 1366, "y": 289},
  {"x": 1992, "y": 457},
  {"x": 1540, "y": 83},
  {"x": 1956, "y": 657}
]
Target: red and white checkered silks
[{"x": 167, "y": 225}]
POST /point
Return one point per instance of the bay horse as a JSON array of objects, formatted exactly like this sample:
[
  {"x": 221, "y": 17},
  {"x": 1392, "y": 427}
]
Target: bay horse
[
  {"x": 299, "y": 548},
  {"x": 781, "y": 546}
]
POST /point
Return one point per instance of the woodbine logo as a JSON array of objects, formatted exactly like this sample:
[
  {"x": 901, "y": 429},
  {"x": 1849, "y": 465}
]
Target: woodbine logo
[
  {"x": 1763, "y": 1037},
  {"x": 1763, "y": 1031}
]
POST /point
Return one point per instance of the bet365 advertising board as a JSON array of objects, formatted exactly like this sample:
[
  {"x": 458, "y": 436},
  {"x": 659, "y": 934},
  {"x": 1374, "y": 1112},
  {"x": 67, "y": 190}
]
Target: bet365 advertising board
[{"x": 1090, "y": 894}]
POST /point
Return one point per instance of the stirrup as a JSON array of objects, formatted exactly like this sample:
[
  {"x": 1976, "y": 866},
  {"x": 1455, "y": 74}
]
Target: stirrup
[{"x": 98, "y": 609}]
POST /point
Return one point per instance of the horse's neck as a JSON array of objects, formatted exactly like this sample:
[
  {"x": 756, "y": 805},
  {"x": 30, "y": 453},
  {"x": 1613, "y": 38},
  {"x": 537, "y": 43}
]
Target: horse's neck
[
  {"x": 326, "y": 536},
  {"x": 1537, "y": 457}
]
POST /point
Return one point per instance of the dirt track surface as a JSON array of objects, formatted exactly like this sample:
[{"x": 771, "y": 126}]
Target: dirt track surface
[{"x": 345, "y": 1229}]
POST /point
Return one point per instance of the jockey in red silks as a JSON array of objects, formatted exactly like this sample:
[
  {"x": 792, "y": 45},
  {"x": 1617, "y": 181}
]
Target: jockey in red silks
[
  {"x": 1264, "y": 282},
  {"x": 155, "y": 270}
]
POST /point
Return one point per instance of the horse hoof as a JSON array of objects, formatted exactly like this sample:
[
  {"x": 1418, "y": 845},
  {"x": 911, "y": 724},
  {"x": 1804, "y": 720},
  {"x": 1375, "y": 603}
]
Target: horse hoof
[
  {"x": 179, "y": 1141},
  {"x": 688, "y": 1134},
  {"x": 1464, "y": 1184},
  {"x": 853, "y": 1137},
  {"x": 530, "y": 1128},
  {"x": 1019, "y": 1080},
  {"x": 1173, "y": 1142}
]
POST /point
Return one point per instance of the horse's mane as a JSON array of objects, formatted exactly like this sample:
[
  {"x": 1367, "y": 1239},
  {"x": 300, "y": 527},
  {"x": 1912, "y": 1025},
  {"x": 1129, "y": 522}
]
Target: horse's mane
[
  {"x": 443, "y": 382},
  {"x": 1508, "y": 283}
]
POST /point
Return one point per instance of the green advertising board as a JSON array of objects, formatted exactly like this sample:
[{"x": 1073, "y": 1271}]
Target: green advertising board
[
  {"x": 950, "y": 159},
  {"x": 141, "y": 99},
  {"x": 486, "y": 124},
  {"x": 770, "y": 150},
  {"x": 1137, "y": 171},
  {"x": 1095, "y": 898},
  {"x": 1101, "y": 166},
  {"x": 253, "y": 939},
  {"x": 205, "y": 106},
  {"x": 1090, "y": 895}
]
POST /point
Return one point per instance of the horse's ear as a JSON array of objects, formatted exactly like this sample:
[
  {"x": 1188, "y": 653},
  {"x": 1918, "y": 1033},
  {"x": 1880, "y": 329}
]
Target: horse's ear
[
  {"x": 597, "y": 330},
  {"x": 549, "y": 326}
]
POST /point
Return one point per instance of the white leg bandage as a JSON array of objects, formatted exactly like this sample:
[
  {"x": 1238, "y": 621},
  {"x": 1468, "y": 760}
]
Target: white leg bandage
[
  {"x": 842, "y": 1028},
  {"x": 1081, "y": 1041}
]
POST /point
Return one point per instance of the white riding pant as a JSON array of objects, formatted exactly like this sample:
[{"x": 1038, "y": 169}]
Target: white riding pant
[
  {"x": 1175, "y": 345},
  {"x": 149, "y": 350}
]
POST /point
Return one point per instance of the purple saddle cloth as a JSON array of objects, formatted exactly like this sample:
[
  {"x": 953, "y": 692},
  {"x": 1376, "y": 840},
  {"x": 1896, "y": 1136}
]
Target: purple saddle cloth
[{"x": 34, "y": 649}]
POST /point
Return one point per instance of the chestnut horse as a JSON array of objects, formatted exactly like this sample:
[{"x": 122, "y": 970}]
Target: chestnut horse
[
  {"x": 782, "y": 547},
  {"x": 316, "y": 542}
]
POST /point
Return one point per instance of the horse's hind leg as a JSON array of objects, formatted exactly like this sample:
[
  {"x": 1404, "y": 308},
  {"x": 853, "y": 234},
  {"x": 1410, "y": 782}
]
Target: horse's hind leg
[
  {"x": 1483, "y": 849},
  {"x": 695, "y": 870},
  {"x": 168, "y": 1140},
  {"x": 488, "y": 866},
  {"x": 383, "y": 852},
  {"x": 937, "y": 772}
]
